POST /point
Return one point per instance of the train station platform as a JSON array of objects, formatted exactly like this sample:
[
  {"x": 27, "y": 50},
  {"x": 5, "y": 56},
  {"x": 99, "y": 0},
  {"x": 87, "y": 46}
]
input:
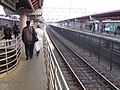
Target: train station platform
[
  {"x": 117, "y": 36},
  {"x": 106, "y": 34},
  {"x": 29, "y": 75}
]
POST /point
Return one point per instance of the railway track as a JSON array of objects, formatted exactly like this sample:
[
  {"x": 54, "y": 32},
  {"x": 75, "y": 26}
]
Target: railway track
[
  {"x": 72, "y": 81},
  {"x": 70, "y": 77},
  {"x": 81, "y": 73}
]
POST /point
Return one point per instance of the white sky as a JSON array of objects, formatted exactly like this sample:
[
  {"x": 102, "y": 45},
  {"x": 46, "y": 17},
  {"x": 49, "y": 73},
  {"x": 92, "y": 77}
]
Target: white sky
[
  {"x": 78, "y": 8},
  {"x": 1, "y": 10},
  {"x": 90, "y": 5},
  {"x": 62, "y": 9}
]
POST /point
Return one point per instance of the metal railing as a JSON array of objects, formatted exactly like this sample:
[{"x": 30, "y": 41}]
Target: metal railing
[
  {"x": 101, "y": 47},
  {"x": 10, "y": 51},
  {"x": 55, "y": 78}
]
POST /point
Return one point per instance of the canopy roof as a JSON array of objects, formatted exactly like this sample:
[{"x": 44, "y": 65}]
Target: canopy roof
[{"x": 18, "y": 4}]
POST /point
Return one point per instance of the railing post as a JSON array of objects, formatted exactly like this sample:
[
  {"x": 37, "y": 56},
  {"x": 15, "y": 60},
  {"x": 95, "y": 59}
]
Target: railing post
[
  {"x": 90, "y": 45},
  {"x": 6, "y": 56},
  {"x": 84, "y": 44},
  {"x": 99, "y": 47},
  {"x": 111, "y": 56}
]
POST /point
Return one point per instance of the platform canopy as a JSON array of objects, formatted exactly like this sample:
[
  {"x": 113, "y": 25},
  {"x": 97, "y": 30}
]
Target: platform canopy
[{"x": 37, "y": 12}]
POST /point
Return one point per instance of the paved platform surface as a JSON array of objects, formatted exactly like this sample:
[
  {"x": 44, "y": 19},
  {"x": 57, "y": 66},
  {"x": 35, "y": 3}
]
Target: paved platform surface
[{"x": 30, "y": 75}]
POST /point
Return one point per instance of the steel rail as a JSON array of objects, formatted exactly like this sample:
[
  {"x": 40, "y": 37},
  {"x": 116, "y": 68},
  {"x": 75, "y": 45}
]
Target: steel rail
[
  {"x": 101, "y": 76},
  {"x": 81, "y": 86}
]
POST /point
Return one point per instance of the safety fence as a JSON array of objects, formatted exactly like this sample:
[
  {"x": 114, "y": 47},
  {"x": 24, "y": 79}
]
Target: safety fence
[
  {"x": 10, "y": 51},
  {"x": 103, "y": 48},
  {"x": 55, "y": 79}
]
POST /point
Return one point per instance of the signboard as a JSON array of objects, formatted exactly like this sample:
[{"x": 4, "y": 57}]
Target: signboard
[{"x": 9, "y": 3}]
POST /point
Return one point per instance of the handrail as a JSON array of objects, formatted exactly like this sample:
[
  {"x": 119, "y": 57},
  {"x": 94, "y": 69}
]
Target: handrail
[
  {"x": 55, "y": 77},
  {"x": 10, "y": 55}
]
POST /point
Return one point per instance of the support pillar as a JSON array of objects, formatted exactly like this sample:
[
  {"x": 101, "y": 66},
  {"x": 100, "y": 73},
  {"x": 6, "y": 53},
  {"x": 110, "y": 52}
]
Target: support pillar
[
  {"x": 23, "y": 19},
  {"x": 99, "y": 28}
]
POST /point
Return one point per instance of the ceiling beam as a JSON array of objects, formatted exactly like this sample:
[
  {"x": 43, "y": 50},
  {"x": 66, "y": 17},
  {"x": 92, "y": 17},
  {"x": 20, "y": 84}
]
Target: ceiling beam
[
  {"x": 35, "y": 3},
  {"x": 29, "y": 1}
]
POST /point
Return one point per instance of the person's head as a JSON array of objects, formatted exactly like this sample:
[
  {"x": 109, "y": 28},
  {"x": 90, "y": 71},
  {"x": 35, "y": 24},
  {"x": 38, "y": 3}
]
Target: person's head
[
  {"x": 7, "y": 25},
  {"x": 28, "y": 23}
]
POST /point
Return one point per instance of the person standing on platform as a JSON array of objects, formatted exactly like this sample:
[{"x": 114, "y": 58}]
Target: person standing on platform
[
  {"x": 117, "y": 31},
  {"x": 16, "y": 30},
  {"x": 38, "y": 44},
  {"x": 7, "y": 33},
  {"x": 27, "y": 37},
  {"x": 93, "y": 27}
]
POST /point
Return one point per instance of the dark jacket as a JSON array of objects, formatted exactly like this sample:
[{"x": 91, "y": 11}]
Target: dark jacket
[
  {"x": 27, "y": 35},
  {"x": 7, "y": 33},
  {"x": 15, "y": 29}
]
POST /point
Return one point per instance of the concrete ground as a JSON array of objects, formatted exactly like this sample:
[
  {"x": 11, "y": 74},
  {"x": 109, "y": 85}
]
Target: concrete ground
[{"x": 29, "y": 75}]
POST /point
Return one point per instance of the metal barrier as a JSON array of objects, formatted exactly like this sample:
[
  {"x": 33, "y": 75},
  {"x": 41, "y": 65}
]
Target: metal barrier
[
  {"x": 55, "y": 77},
  {"x": 10, "y": 51},
  {"x": 101, "y": 47}
]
